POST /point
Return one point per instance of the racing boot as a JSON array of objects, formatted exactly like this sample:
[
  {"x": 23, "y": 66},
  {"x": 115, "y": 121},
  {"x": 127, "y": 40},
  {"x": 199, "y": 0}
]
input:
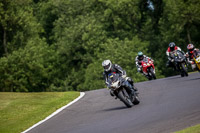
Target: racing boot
[
  {"x": 135, "y": 88},
  {"x": 131, "y": 82}
]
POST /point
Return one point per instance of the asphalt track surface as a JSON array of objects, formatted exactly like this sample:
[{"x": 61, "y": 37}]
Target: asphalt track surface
[{"x": 167, "y": 105}]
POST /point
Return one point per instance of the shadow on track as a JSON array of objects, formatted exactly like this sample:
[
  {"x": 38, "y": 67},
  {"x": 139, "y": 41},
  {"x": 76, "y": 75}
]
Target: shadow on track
[
  {"x": 171, "y": 78},
  {"x": 116, "y": 108},
  {"x": 193, "y": 79}
]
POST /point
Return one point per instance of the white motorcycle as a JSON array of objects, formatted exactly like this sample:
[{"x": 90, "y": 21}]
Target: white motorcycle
[{"x": 121, "y": 92}]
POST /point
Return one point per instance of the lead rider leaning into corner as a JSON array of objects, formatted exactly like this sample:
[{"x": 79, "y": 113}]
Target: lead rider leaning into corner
[{"x": 110, "y": 68}]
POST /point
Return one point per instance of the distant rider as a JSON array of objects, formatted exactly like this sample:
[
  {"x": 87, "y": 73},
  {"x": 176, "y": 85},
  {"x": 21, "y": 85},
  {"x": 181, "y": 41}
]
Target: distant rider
[
  {"x": 172, "y": 47},
  {"x": 192, "y": 52},
  {"x": 138, "y": 61},
  {"x": 110, "y": 68}
]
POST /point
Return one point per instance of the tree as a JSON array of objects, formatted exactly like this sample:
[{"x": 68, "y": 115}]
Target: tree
[
  {"x": 17, "y": 24},
  {"x": 182, "y": 17}
]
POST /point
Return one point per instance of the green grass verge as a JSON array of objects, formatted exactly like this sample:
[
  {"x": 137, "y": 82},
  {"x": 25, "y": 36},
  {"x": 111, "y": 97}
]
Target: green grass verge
[
  {"x": 19, "y": 111},
  {"x": 194, "y": 129}
]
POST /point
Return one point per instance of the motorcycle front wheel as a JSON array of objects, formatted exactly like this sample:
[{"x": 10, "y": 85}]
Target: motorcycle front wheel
[
  {"x": 152, "y": 73},
  {"x": 125, "y": 98},
  {"x": 184, "y": 69}
]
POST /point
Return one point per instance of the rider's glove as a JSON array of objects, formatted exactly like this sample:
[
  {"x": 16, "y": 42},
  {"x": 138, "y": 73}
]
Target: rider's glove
[
  {"x": 139, "y": 69},
  {"x": 191, "y": 62},
  {"x": 108, "y": 86},
  {"x": 124, "y": 76}
]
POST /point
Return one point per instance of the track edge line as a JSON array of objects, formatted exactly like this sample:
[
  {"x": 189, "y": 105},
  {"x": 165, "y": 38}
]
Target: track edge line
[{"x": 54, "y": 113}]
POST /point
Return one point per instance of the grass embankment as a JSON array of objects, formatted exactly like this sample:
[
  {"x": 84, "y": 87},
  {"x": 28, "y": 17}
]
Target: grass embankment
[
  {"x": 19, "y": 111},
  {"x": 194, "y": 129}
]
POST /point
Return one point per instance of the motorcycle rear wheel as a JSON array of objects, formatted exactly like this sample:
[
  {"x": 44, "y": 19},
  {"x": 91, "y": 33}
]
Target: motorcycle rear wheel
[{"x": 136, "y": 100}]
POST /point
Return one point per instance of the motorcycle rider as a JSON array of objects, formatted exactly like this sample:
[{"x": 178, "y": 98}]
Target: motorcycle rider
[
  {"x": 110, "y": 68},
  {"x": 192, "y": 52},
  {"x": 172, "y": 47},
  {"x": 138, "y": 61}
]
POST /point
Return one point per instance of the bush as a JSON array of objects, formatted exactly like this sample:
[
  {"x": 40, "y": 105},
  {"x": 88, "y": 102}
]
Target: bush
[{"x": 28, "y": 69}]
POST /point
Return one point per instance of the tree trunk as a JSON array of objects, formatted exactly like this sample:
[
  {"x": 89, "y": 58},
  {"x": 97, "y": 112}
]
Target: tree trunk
[
  {"x": 5, "y": 42},
  {"x": 188, "y": 35}
]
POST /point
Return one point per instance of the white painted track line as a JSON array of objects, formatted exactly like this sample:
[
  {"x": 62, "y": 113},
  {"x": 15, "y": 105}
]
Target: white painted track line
[{"x": 56, "y": 112}]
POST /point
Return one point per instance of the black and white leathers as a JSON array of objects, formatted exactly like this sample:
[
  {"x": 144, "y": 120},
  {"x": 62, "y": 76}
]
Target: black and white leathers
[{"x": 128, "y": 83}]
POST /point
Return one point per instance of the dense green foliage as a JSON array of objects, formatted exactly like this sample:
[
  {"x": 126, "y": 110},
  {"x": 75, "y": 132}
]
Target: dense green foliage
[{"x": 58, "y": 45}]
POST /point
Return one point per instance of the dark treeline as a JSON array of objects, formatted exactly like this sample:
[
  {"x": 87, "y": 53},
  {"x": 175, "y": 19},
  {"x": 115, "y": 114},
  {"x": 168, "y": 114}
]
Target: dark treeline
[{"x": 59, "y": 45}]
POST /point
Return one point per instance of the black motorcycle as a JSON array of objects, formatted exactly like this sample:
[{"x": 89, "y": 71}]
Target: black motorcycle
[
  {"x": 127, "y": 97},
  {"x": 180, "y": 62}
]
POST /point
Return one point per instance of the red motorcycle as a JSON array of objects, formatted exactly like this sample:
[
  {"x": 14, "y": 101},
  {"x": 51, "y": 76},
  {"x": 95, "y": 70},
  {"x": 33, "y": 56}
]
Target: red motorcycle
[{"x": 148, "y": 68}]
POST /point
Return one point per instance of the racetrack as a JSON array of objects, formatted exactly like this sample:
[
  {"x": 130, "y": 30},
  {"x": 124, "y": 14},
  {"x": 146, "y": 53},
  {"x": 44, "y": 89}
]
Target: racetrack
[{"x": 167, "y": 105}]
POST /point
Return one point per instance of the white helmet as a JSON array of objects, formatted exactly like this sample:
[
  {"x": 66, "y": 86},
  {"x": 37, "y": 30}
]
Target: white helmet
[
  {"x": 190, "y": 47},
  {"x": 107, "y": 65}
]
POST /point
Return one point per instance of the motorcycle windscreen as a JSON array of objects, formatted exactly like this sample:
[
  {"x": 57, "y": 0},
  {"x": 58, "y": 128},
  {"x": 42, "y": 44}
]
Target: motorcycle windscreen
[{"x": 112, "y": 77}]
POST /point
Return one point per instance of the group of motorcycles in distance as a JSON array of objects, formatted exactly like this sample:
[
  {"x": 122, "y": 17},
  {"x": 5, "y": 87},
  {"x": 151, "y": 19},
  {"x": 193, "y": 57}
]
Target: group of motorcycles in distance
[
  {"x": 180, "y": 64},
  {"x": 131, "y": 98}
]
